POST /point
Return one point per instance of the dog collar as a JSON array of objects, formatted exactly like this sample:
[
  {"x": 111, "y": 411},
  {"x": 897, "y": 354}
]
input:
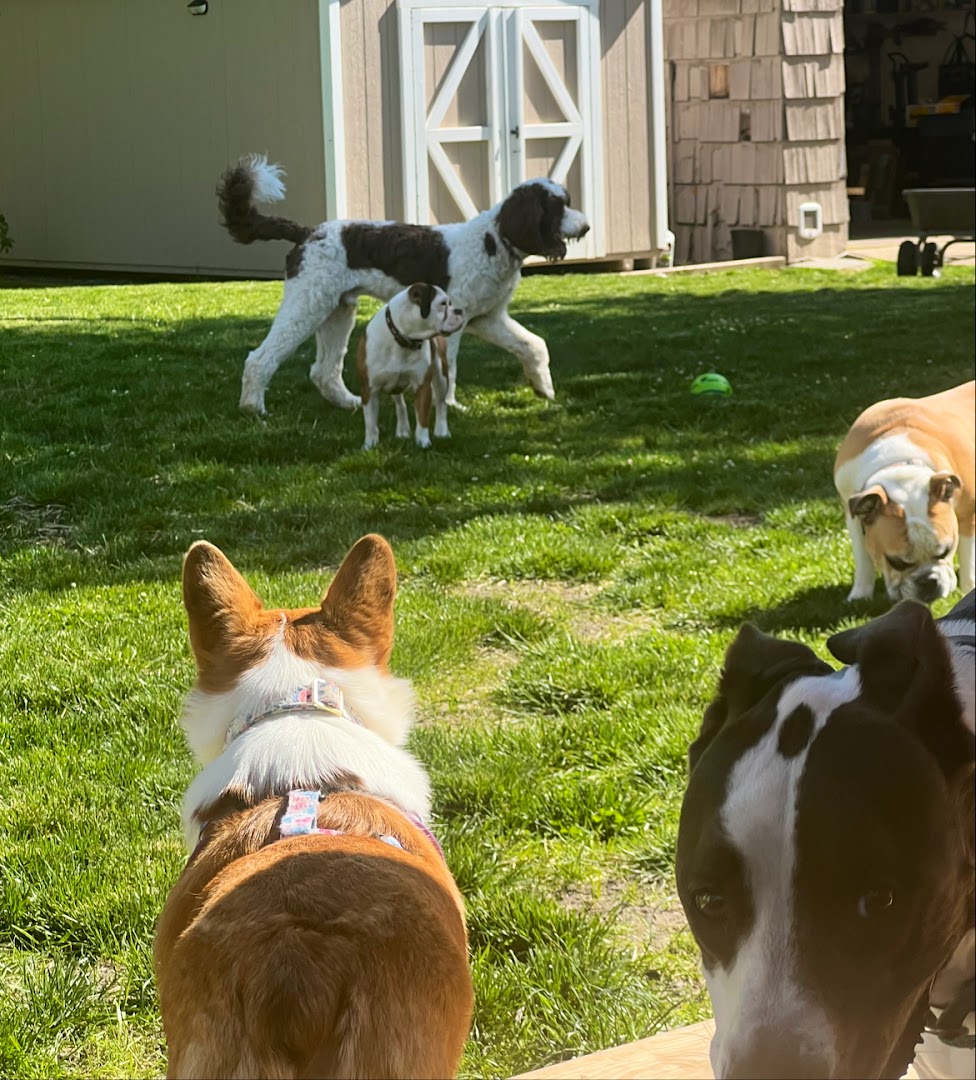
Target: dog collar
[
  {"x": 401, "y": 340},
  {"x": 322, "y": 696}
]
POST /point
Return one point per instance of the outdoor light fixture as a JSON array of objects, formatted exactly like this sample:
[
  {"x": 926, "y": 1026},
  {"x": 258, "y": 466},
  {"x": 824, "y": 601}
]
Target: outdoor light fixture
[{"x": 198, "y": 7}]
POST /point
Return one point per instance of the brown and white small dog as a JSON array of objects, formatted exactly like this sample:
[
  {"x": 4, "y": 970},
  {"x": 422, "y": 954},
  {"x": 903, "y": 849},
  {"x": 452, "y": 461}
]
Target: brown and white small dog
[
  {"x": 316, "y": 930},
  {"x": 403, "y": 348},
  {"x": 906, "y": 474}
]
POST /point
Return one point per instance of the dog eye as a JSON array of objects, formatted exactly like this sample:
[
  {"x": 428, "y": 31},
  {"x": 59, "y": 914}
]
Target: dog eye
[
  {"x": 709, "y": 903},
  {"x": 944, "y": 553},
  {"x": 898, "y": 564},
  {"x": 875, "y": 903}
]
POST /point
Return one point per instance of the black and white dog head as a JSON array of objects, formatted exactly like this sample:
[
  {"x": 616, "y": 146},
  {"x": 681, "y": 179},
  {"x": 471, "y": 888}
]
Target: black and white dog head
[
  {"x": 536, "y": 219},
  {"x": 424, "y": 311},
  {"x": 825, "y": 850}
]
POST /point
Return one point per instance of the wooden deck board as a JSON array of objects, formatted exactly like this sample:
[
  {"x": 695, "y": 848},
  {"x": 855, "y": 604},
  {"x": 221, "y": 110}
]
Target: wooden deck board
[{"x": 670, "y": 1055}]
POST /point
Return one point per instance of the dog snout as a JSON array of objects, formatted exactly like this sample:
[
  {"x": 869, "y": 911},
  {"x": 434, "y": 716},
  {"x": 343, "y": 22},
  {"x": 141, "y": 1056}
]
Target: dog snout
[
  {"x": 583, "y": 231},
  {"x": 773, "y": 1055},
  {"x": 928, "y": 586}
]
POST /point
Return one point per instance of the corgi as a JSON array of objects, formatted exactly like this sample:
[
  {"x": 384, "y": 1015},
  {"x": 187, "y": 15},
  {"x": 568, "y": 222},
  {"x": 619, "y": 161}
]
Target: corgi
[{"x": 316, "y": 929}]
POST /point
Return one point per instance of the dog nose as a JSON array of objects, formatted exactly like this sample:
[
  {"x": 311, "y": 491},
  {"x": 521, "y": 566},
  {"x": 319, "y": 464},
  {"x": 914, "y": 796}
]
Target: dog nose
[
  {"x": 772, "y": 1055},
  {"x": 928, "y": 586},
  {"x": 584, "y": 231}
]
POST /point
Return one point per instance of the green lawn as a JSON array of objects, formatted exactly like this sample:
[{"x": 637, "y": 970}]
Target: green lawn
[{"x": 570, "y": 575}]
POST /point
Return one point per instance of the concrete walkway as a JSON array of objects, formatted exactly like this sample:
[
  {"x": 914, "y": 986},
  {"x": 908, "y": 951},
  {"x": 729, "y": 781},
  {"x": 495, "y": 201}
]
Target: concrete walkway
[
  {"x": 886, "y": 247},
  {"x": 862, "y": 251}
]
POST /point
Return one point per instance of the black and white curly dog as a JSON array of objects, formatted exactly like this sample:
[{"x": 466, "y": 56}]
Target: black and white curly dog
[{"x": 478, "y": 262}]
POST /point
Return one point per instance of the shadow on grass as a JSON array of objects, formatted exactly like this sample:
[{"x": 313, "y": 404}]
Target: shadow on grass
[
  {"x": 130, "y": 427},
  {"x": 814, "y": 610}
]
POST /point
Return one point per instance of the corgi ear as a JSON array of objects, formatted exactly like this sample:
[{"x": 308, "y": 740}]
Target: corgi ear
[
  {"x": 358, "y": 607},
  {"x": 217, "y": 599}
]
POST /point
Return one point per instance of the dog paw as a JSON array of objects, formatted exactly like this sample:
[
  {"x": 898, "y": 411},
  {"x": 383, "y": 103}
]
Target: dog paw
[
  {"x": 369, "y": 444},
  {"x": 856, "y": 594},
  {"x": 253, "y": 408},
  {"x": 423, "y": 440},
  {"x": 445, "y": 434},
  {"x": 453, "y": 403}
]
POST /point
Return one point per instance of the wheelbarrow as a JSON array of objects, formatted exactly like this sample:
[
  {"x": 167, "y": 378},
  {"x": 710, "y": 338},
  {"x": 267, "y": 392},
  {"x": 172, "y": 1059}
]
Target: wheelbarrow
[{"x": 936, "y": 212}]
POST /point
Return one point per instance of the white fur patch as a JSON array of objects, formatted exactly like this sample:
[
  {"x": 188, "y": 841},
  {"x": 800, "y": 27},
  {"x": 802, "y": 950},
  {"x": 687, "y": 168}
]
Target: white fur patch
[
  {"x": 302, "y": 750},
  {"x": 268, "y": 178},
  {"x": 890, "y": 451},
  {"x": 760, "y": 991},
  {"x": 384, "y": 703}
]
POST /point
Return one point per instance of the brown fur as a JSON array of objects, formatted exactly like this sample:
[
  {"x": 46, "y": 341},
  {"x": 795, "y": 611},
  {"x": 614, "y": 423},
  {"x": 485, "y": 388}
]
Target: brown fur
[
  {"x": 425, "y": 394},
  {"x": 422, "y": 295},
  {"x": 529, "y": 219},
  {"x": 312, "y": 956},
  {"x": 406, "y": 253}
]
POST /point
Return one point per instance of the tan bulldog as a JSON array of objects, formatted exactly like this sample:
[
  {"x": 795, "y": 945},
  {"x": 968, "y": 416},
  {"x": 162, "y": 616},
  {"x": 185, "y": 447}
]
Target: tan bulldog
[{"x": 905, "y": 474}]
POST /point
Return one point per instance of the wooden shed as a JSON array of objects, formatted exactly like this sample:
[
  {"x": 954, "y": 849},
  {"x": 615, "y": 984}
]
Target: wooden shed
[
  {"x": 757, "y": 126},
  {"x": 116, "y": 117}
]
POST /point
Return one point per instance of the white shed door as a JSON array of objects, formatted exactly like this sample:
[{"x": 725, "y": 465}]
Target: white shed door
[{"x": 496, "y": 94}]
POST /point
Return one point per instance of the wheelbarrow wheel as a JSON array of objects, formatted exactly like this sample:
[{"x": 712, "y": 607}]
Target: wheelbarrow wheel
[
  {"x": 908, "y": 259},
  {"x": 931, "y": 261}
]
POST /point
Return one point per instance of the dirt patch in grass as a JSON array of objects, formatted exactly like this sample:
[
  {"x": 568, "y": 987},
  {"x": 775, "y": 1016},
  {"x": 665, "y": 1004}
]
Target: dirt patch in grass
[
  {"x": 570, "y": 604},
  {"x": 651, "y": 921},
  {"x": 470, "y": 699},
  {"x": 737, "y": 521},
  {"x": 539, "y": 595},
  {"x": 34, "y": 523},
  {"x": 645, "y": 917}
]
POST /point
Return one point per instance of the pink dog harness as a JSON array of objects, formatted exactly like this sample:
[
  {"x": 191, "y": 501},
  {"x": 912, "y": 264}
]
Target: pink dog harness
[{"x": 302, "y": 814}]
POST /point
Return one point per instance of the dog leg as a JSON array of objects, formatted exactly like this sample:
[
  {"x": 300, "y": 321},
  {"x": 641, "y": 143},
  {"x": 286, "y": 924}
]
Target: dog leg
[
  {"x": 421, "y": 405},
  {"x": 438, "y": 385},
  {"x": 967, "y": 562},
  {"x": 291, "y": 326},
  {"x": 371, "y": 415},
  {"x": 403, "y": 417},
  {"x": 453, "y": 345},
  {"x": 864, "y": 572},
  {"x": 499, "y": 328},
  {"x": 331, "y": 340}
]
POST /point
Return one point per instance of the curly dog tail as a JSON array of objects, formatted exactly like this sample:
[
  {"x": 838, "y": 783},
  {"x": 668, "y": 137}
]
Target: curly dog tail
[{"x": 252, "y": 180}]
